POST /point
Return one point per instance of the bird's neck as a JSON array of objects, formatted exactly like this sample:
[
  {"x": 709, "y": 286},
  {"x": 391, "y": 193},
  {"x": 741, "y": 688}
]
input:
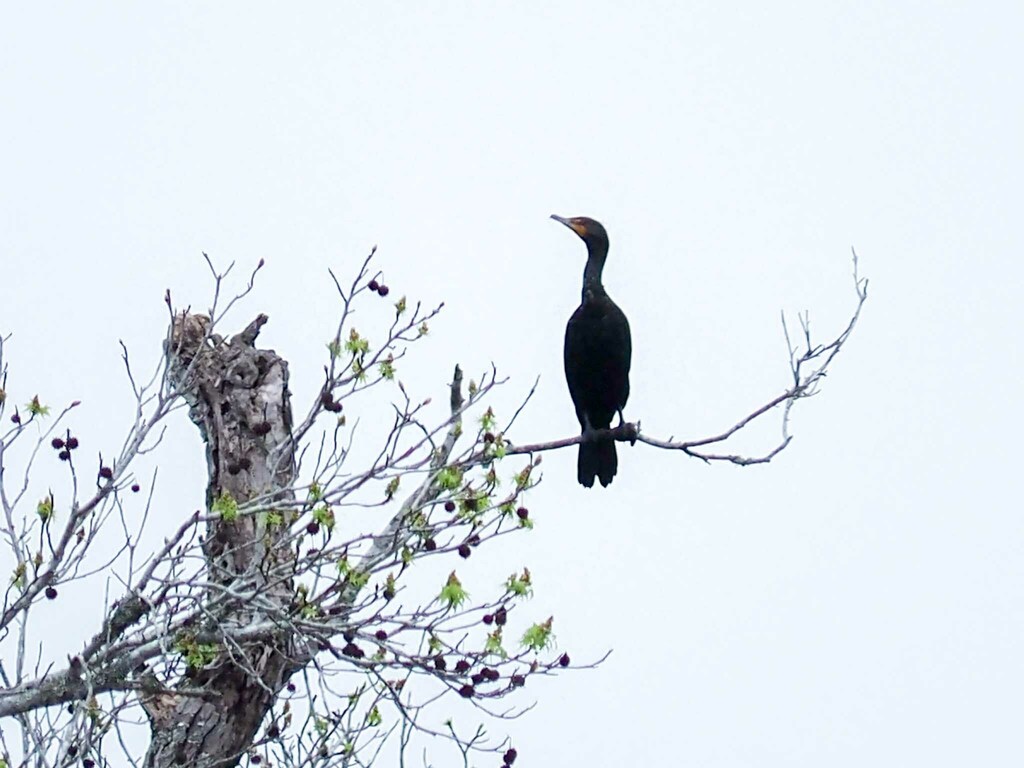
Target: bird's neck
[{"x": 592, "y": 274}]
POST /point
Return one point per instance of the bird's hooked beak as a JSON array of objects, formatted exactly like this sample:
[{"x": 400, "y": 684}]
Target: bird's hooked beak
[{"x": 574, "y": 224}]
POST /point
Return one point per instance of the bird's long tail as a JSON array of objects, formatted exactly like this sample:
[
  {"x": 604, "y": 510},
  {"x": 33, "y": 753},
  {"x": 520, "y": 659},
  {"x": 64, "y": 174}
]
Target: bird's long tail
[{"x": 598, "y": 459}]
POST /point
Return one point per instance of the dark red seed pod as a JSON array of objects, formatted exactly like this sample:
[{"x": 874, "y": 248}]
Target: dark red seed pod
[
  {"x": 51, "y": 593},
  {"x": 273, "y": 731},
  {"x": 63, "y": 455},
  {"x": 488, "y": 619},
  {"x": 57, "y": 443},
  {"x": 478, "y": 678},
  {"x": 489, "y": 673},
  {"x": 16, "y": 419},
  {"x": 466, "y": 691},
  {"x": 353, "y": 650},
  {"x": 500, "y": 616},
  {"x": 373, "y": 285},
  {"x": 464, "y": 550},
  {"x": 381, "y": 635},
  {"x": 430, "y": 545},
  {"x": 440, "y": 663},
  {"x": 488, "y": 437},
  {"x": 135, "y": 488},
  {"x": 290, "y": 687},
  {"x": 72, "y": 443},
  {"x": 383, "y": 290},
  {"x": 564, "y": 661},
  {"x": 510, "y": 756},
  {"x": 462, "y": 666},
  {"x": 313, "y": 528},
  {"x": 449, "y": 506},
  {"x": 518, "y": 680},
  {"x": 106, "y": 473},
  {"x": 522, "y": 513}
]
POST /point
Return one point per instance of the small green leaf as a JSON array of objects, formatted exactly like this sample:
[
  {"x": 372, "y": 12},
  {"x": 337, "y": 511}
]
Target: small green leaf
[
  {"x": 374, "y": 718},
  {"x": 520, "y": 586},
  {"x": 334, "y": 347},
  {"x": 226, "y": 507},
  {"x": 36, "y": 408},
  {"x": 449, "y": 478},
  {"x": 325, "y": 516},
  {"x": 539, "y": 637},
  {"x": 487, "y": 420},
  {"x": 493, "y": 644},
  {"x": 452, "y": 594},
  {"x": 45, "y": 508}
]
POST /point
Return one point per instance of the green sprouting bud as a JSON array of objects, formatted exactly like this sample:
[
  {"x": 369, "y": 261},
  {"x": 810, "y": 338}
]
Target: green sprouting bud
[
  {"x": 273, "y": 518},
  {"x": 487, "y": 420},
  {"x": 539, "y": 636},
  {"x": 45, "y": 508},
  {"x": 389, "y": 492},
  {"x": 424, "y": 329},
  {"x": 324, "y": 515},
  {"x": 400, "y": 306},
  {"x": 389, "y": 587},
  {"x": 18, "y": 578},
  {"x": 36, "y": 408},
  {"x": 473, "y": 388},
  {"x": 520, "y": 586},
  {"x": 226, "y": 507},
  {"x": 374, "y": 719},
  {"x": 334, "y": 348},
  {"x": 358, "y": 370},
  {"x": 452, "y": 594},
  {"x": 356, "y": 344},
  {"x": 493, "y": 644},
  {"x": 315, "y": 492},
  {"x": 449, "y": 478},
  {"x": 387, "y": 368},
  {"x": 434, "y": 642}
]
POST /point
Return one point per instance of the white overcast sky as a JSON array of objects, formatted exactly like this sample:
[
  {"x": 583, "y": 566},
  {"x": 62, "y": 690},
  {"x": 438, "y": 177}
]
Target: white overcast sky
[{"x": 859, "y": 601}]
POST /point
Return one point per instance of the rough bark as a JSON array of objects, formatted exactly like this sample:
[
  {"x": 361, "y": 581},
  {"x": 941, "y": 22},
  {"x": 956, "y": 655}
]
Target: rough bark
[{"x": 239, "y": 399}]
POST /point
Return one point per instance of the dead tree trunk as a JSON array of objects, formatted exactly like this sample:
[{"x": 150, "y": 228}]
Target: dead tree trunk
[{"x": 238, "y": 397}]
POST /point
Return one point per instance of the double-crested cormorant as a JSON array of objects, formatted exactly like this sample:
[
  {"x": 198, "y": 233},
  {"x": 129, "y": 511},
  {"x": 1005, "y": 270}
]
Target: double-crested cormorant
[{"x": 597, "y": 353}]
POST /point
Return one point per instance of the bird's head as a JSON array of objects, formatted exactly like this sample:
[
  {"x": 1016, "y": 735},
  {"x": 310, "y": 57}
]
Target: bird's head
[{"x": 590, "y": 231}]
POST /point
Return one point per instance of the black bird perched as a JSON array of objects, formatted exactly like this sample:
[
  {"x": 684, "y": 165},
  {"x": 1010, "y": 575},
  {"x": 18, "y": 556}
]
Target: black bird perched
[{"x": 597, "y": 354}]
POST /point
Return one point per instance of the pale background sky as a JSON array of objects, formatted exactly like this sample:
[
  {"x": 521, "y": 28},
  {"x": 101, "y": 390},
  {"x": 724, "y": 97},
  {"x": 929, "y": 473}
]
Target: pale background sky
[{"x": 860, "y": 601}]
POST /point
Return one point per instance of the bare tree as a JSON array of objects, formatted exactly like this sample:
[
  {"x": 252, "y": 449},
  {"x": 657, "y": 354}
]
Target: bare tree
[{"x": 269, "y": 626}]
